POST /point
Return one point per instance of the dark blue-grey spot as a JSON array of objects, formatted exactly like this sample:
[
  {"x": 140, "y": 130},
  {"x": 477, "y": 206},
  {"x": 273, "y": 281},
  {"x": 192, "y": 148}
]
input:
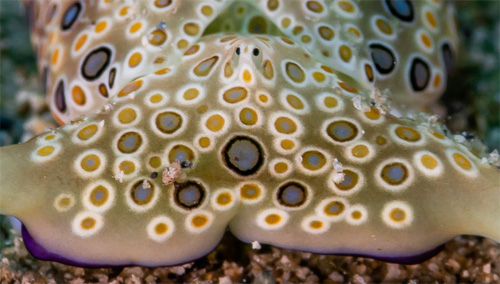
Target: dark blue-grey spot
[
  {"x": 189, "y": 195},
  {"x": 383, "y": 58},
  {"x": 70, "y": 16},
  {"x": 292, "y": 194},
  {"x": 95, "y": 63},
  {"x": 243, "y": 155},
  {"x": 420, "y": 74},
  {"x": 401, "y": 9}
]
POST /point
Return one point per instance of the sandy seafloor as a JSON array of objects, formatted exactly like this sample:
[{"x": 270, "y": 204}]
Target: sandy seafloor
[{"x": 471, "y": 103}]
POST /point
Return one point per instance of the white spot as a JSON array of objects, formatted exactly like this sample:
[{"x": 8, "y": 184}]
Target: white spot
[
  {"x": 66, "y": 207},
  {"x": 256, "y": 245}
]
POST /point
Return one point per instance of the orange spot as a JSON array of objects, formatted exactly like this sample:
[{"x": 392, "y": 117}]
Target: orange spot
[
  {"x": 101, "y": 26},
  {"x": 80, "y": 42}
]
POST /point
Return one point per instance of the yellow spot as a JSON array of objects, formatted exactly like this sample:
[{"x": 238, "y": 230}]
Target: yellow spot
[
  {"x": 355, "y": 32},
  {"x": 327, "y": 69},
  {"x": 356, "y": 215},
  {"x": 407, "y": 133},
  {"x": 132, "y": 87},
  {"x": 55, "y": 57},
  {"x": 347, "y": 87},
  {"x": 462, "y": 161},
  {"x": 316, "y": 225},
  {"x": 273, "y": 219},
  {"x": 384, "y": 26},
  {"x": 287, "y": 144},
  {"x": 346, "y": 6},
  {"x": 380, "y": 140},
  {"x": 286, "y": 22},
  {"x": 286, "y": 40},
  {"x": 247, "y": 76},
  {"x": 215, "y": 122},
  {"x": 319, "y": 77},
  {"x": 87, "y": 132},
  {"x": 50, "y": 137},
  {"x": 295, "y": 102},
  {"x": 429, "y": 162},
  {"x": 272, "y": 5},
  {"x": 191, "y": 29},
  {"x": 155, "y": 162},
  {"x": 228, "y": 70},
  {"x": 45, "y": 151},
  {"x": 157, "y": 37},
  {"x": 65, "y": 202},
  {"x": 437, "y": 80},
  {"x": 281, "y": 167},
  {"x": 224, "y": 198},
  {"x": 360, "y": 151},
  {"x": 161, "y": 228},
  {"x": 199, "y": 221},
  {"x": 88, "y": 223},
  {"x": 204, "y": 142},
  {"x": 182, "y": 43},
  {"x": 263, "y": 98},
  {"x": 235, "y": 95},
  {"x": 191, "y": 94},
  {"x": 135, "y": 27},
  {"x": 369, "y": 72},
  {"x": 345, "y": 53},
  {"x": 398, "y": 215},
  {"x": 124, "y": 11},
  {"x": 373, "y": 113},
  {"x": 156, "y": 98},
  {"x": 330, "y": 102},
  {"x": 127, "y": 115},
  {"x": 90, "y": 163},
  {"x": 305, "y": 38},
  {"x": 250, "y": 191},
  {"x": 80, "y": 42},
  {"x": 431, "y": 19},
  {"x": 326, "y": 32},
  {"x": 313, "y": 160},
  {"x": 205, "y": 66},
  {"x": 162, "y": 71},
  {"x": 135, "y": 59},
  {"x": 426, "y": 40},
  {"x": 438, "y": 135},
  {"x": 285, "y": 125},
  {"x": 127, "y": 167},
  {"x": 248, "y": 116},
  {"x": 101, "y": 26},
  {"x": 297, "y": 30},
  {"x": 268, "y": 70},
  {"x": 207, "y": 10},
  {"x": 78, "y": 95}
]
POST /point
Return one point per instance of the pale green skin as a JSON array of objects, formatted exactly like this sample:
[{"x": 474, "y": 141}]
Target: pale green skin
[{"x": 444, "y": 206}]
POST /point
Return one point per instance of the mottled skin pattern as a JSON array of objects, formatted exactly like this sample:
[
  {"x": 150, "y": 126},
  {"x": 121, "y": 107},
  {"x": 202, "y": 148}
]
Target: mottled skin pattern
[{"x": 269, "y": 141}]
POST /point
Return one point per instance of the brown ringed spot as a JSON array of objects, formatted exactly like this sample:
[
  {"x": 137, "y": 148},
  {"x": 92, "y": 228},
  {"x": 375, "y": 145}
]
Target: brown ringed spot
[
  {"x": 203, "y": 68},
  {"x": 295, "y": 102},
  {"x": 248, "y": 116},
  {"x": 326, "y": 33},
  {"x": 157, "y": 37},
  {"x": 313, "y": 160},
  {"x": 189, "y": 195},
  {"x": 129, "y": 142},
  {"x": 334, "y": 208},
  {"x": 215, "y": 122},
  {"x": 395, "y": 173},
  {"x": 87, "y": 132},
  {"x": 90, "y": 163},
  {"x": 192, "y": 50},
  {"x": 285, "y": 125},
  {"x": 168, "y": 122},
  {"x": 162, "y": 3},
  {"x": 295, "y": 72},
  {"x": 191, "y": 29},
  {"x": 342, "y": 131},
  {"x": 250, "y": 191},
  {"x": 407, "y": 134},
  {"x": 142, "y": 192},
  {"x": 235, "y": 95},
  {"x": 127, "y": 167},
  {"x": 268, "y": 70},
  {"x": 181, "y": 153},
  {"x": 345, "y": 53},
  {"x": 351, "y": 179},
  {"x": 131, "y": 87}
]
